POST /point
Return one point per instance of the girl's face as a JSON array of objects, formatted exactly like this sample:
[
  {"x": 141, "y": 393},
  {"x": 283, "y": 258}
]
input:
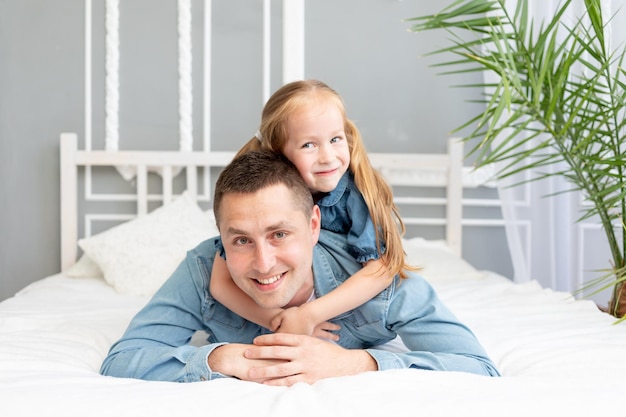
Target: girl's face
[{"x": 317, "y": 144}]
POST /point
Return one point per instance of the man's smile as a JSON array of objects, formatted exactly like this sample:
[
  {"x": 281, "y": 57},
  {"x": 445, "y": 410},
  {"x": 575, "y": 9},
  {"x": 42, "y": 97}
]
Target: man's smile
[{"x": 269, "y": 280}]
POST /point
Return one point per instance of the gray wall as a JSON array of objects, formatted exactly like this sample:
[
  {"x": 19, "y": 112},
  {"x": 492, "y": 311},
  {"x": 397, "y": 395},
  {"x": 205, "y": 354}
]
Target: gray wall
[{"x": 360, "y": 47}]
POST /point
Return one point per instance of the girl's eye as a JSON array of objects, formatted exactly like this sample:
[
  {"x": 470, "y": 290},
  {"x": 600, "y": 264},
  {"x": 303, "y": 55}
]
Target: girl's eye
[
  {"x": 335, "y": 139},
  {"x": 308, "y": 145}
]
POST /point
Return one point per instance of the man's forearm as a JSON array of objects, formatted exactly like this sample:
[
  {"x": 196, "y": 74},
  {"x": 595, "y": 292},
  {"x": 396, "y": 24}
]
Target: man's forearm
[
  {"x": 361, "y": 361},
  {"x": 159, "y": 363}
]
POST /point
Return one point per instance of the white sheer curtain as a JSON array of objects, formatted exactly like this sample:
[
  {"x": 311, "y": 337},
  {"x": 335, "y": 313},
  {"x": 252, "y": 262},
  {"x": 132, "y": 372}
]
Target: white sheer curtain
[{"x": 546, "y": 242}]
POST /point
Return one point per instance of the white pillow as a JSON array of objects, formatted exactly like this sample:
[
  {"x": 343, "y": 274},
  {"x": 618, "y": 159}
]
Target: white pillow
[
  {"x": 137, "y": 257},
  {"x": 85, "y": 267},
  {"x": 437, "y": 260}
]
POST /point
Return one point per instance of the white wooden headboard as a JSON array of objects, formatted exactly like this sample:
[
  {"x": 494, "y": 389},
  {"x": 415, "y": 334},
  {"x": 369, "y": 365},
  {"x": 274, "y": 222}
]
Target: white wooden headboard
[{"x": 443, "y": 170}]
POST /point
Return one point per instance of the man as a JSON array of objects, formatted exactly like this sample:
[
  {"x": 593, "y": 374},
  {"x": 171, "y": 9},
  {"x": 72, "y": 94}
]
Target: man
[{"x": 270, "y": 229}]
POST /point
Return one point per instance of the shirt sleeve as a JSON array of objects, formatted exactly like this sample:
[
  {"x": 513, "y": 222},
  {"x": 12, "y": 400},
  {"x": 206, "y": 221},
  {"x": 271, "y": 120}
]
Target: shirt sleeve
[
  {"x": 434, "y": 337},
  {"x": 362, "y": 235},
  {"x": 408, "y": 309},
  {"x": 156, "y": 344}
]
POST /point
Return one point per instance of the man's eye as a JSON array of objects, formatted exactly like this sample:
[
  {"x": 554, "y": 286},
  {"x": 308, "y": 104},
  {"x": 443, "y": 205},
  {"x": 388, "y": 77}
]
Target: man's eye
[
  {"x": 241, "y": 241},
  {"x": 280, "y": 235}
]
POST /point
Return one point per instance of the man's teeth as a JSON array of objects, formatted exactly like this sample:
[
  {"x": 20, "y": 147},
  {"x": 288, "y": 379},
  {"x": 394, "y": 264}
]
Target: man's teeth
[{"x": 269, "y": 280}]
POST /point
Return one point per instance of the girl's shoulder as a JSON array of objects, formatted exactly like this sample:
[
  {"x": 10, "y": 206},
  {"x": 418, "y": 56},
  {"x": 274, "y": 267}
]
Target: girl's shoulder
[{"x": 348, "y": 186}]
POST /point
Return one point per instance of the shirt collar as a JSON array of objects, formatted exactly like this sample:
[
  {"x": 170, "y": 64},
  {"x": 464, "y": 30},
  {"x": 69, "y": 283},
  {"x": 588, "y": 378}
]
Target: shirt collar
[{"x": 335, "y": 195}]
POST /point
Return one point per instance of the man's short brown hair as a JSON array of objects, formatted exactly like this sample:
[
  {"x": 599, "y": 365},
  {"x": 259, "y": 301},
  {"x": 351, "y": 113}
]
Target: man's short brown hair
[{"x": 256, "y": 170}]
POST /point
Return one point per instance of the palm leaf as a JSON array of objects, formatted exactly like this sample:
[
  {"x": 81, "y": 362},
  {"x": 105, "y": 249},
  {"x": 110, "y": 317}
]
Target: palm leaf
[{"x": 558, "y": 96}]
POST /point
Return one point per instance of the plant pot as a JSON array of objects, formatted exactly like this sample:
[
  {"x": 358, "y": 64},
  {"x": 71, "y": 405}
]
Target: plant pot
[{"x": 617, "y": 305}]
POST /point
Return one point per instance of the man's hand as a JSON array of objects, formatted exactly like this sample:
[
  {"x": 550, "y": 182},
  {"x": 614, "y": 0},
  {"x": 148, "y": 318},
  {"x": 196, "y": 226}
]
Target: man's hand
[
  {"x": 287, "y": 359},
  {"x": 230, "y": 360}
]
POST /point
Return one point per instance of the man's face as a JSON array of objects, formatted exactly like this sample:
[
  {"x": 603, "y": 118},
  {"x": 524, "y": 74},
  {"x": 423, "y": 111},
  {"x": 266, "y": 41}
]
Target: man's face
[{"x": 269, "y": 245}]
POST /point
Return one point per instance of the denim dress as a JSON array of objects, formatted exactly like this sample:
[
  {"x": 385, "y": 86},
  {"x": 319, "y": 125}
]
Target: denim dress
[{"x": 344, "y": 211}]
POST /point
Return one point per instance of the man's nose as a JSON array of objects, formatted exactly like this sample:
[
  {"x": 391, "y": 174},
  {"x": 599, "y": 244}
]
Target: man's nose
[{"x": 264, "y": 258}]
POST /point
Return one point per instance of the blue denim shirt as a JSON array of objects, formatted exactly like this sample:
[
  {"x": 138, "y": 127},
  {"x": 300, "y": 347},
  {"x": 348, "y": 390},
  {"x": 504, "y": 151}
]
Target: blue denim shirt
[
  {"x": 344, "y": 211},
  {"x": 156, "y": 344}
]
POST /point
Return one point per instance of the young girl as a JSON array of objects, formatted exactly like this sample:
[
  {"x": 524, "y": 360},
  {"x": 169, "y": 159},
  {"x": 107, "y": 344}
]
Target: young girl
[{"x": 307, "y": 123}]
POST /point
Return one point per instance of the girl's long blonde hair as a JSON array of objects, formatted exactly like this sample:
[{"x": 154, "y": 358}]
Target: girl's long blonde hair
[{"x": 376, "y": 192}]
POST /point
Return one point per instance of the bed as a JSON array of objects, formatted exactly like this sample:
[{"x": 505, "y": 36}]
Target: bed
[{"x": 558, "y": 355}]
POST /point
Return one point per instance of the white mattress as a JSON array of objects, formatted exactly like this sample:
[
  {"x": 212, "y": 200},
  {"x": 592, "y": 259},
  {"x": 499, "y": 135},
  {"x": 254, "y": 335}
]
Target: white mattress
[{"x": 557, "y": 356}]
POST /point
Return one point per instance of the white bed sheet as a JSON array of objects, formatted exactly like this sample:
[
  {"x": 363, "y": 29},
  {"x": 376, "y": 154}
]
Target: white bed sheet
[{"x": 557, "y": 356}]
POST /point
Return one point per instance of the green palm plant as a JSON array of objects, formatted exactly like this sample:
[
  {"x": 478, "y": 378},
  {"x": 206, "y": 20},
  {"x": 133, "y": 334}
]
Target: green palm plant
[{"x": 558, "y": 99}]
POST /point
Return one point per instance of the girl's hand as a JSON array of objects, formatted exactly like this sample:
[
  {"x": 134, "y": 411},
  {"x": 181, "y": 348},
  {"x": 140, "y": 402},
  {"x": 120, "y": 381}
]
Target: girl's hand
[
  {"x": 324, "y": 331},
  {"x": 294, "y": 320}
]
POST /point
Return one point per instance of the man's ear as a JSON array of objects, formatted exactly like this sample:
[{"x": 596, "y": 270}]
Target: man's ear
[{"x": 316, "y": 222}]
